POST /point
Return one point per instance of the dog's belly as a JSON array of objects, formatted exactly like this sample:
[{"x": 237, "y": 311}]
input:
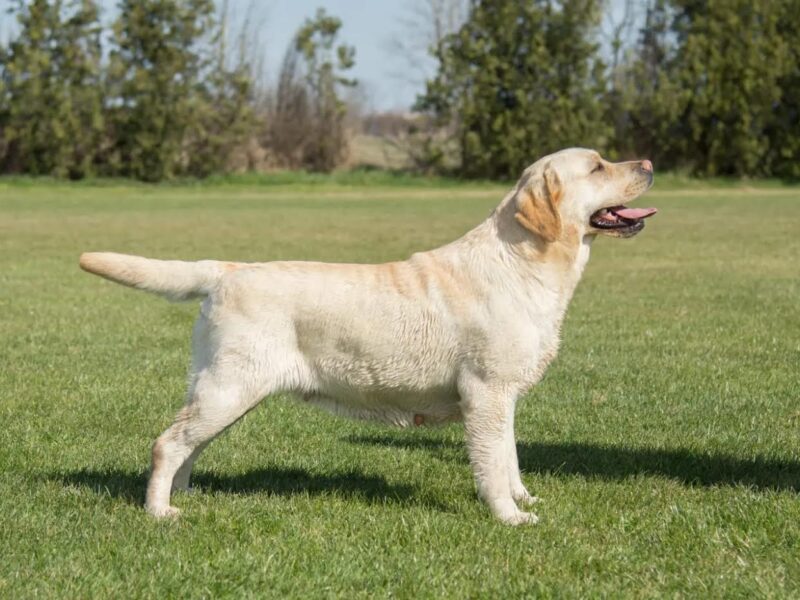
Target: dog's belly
[
  {"x": 393, "y": 389},
  {"x": 402, "y": 412}
]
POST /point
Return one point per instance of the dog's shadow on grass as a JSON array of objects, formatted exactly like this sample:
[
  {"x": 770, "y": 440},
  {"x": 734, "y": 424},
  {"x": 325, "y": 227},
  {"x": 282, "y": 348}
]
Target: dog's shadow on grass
[
  {"x": 272, "y": 481},
  {"x": 559, "y": 459},
  {"x": 616, "y": 463}
]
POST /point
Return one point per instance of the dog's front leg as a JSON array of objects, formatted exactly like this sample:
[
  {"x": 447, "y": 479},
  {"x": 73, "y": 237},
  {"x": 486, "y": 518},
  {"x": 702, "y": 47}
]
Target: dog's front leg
[
  {"x": 518, "y": 490},
  {"x": 488, "y": 413}
]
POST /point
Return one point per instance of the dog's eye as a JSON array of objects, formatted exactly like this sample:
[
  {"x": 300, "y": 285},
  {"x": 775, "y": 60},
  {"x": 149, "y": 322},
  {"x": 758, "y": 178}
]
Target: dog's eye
[{"x": 598, "y": 168}]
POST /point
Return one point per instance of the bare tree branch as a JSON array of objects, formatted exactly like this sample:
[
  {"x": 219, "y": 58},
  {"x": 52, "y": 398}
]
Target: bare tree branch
[{"x": 420, "y": 35}]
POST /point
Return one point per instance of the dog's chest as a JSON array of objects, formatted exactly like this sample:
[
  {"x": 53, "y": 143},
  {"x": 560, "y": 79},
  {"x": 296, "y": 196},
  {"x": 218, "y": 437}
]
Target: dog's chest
[
  {"x": 533, "y": 339},
  {"x": 545, "y": 316},
  {"x": 539, "y": 349}
]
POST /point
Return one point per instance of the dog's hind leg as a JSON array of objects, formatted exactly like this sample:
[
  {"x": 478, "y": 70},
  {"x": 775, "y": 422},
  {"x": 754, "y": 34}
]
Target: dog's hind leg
[
  {"x": 221, "y": 393},
  {"x": 184, "y": 473},
  {"x": 213, "y": 406},
  {"x": 202, "y": 358}
]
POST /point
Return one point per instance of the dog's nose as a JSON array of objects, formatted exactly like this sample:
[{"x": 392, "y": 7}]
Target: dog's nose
[{"x": 647, "y": 166}]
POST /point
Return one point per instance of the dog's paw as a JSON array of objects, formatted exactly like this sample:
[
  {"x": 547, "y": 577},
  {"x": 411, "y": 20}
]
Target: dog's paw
[
  {"x": 507, "y": 511},
  {"x": 164, "y": 512},
  {"x": 525, "y": 499},
  {"x": 520, "y": 518}
]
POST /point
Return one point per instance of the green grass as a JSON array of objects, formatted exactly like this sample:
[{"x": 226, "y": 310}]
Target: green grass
[
  {"x": 367, "y": 176},
  {"x": 664, "y": 439}
]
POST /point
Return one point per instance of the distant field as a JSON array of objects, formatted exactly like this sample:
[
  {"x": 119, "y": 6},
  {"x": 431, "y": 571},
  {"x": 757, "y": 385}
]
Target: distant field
[{"x": 664, "y": 440}]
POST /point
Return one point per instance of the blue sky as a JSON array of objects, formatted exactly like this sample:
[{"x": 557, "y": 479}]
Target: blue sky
[{"x": 370, "y": 25}]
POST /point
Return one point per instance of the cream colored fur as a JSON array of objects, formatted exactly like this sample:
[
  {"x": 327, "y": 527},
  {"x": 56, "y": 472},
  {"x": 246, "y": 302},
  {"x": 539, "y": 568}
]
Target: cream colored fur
[{"x": 455, "y": 333}]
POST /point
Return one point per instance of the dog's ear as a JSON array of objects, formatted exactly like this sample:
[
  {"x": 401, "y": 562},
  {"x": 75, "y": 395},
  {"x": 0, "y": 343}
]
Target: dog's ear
[{"x": 537, "y": 205}]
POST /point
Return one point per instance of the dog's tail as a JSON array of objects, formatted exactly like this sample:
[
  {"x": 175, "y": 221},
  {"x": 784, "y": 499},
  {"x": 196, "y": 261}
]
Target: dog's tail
[{"x": 174, "y": 279}]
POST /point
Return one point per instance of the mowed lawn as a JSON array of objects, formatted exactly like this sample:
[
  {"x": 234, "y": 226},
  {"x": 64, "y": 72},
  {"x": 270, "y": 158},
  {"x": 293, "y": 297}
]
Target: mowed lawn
[{"x": 664, "y": 440}]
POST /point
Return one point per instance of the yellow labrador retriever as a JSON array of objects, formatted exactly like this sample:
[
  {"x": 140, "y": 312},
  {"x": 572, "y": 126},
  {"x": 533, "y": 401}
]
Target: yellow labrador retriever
[{"x": 455, "y": 333}]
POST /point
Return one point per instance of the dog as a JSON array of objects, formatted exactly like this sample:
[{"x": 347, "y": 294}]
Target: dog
[{"x": 457, "y": 333}]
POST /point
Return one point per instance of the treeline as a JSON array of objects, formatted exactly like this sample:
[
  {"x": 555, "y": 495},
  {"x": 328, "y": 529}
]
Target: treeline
[
  {"x": 711, "y": 87},
  {"x": 708, "y": 86},
  {"x": 162, "y": 94}
]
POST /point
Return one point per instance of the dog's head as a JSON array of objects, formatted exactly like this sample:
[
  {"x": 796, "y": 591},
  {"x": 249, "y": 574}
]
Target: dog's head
[{"x": 576, "y": 190}]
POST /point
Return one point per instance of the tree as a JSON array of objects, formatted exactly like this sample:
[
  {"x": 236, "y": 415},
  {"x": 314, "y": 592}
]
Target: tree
[
  {"x": 732, "y": 79},
  {"x": 783, "y": 130},
  {"x": 518, "y": 80},
  {"x": 156, "y": 71},
  {"x": 709, "y": 81},
  {"x": 647, "y": 101},
  {"x": 619, "y": 30},
  {"x": 308, "y": 124},
  {"x": 51, "y": 106},
  {"x": 325, "y": 66},
  {"x": 291, "y": 124},
  {"x": 424, "y": 27},
  {"x": 420, "y": 43},
  {"x": 223, "y": 109}
]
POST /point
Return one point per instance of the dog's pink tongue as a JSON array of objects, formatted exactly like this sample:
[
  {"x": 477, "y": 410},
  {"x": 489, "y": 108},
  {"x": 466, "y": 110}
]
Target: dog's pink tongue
[{"x": 635, "y": 213}]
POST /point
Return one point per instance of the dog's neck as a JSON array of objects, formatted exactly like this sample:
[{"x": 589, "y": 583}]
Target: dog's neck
[{"x": 503, "y": 253}]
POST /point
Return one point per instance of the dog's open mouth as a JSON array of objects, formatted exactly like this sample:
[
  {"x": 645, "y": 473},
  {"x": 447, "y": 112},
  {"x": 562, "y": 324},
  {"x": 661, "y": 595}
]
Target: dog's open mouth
[{"x": 621, "y": 218}]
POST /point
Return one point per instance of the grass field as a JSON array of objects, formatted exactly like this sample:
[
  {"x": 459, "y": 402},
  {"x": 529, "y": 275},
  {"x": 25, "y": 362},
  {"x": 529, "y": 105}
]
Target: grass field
[{"x": 664, "y": 440}]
